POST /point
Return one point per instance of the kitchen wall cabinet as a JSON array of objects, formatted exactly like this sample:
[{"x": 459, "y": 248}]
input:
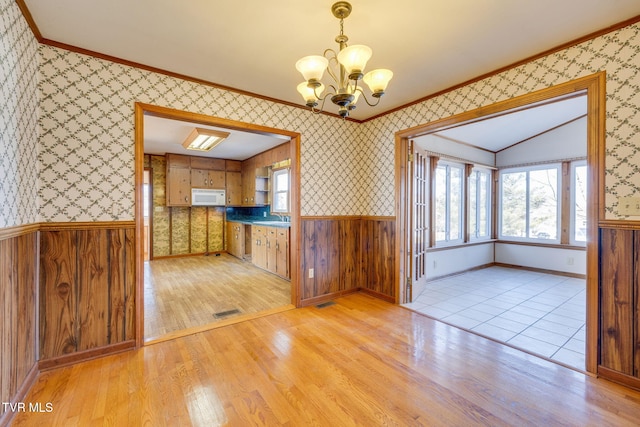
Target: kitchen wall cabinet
[
  {"x": 178, "y": 180},
  {"x": 235, "y": 239},
  {"x": 270, "y": 249},
  {"x": 249, "y": 182},
  {"x": 234, "y": 188},
  {"x": 203, "y": 178}
]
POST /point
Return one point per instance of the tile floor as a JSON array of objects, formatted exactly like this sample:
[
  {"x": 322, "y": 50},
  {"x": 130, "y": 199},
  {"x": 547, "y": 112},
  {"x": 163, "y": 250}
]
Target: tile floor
[{"x": 538, "y": 312}]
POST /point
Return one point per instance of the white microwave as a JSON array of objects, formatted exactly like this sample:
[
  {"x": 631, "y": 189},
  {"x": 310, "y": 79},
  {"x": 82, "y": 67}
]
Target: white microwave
[{"x": 207, "y": 197}]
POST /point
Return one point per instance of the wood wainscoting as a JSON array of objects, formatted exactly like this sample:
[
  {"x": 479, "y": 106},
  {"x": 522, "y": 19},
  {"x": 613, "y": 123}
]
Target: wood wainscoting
[
  {"x": 18, "y": 313},
  {"x": 87, "y": 290},
  {"x": 346, "y": 254},
  {"x": 620, "y": 302}
]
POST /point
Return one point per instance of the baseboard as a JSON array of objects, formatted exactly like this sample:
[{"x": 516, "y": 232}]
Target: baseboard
[
  {"x": 215, "y": 253},
  {"x": 384, "y": 297},
  {"x": 327, "y": 297},
  {"x": 82, "y": 356},
  {"x": 541, "y": 270},
  {"x": 618, "y": 377},
  {"x": 29, "y": 381},
  {"x": 479, "y": 267}
]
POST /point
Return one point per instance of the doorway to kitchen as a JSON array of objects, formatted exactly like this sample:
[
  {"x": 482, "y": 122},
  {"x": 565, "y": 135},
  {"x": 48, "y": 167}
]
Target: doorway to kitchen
[
  {"x": 198, "y": 275},
  {"x": 457, "y": 234}
]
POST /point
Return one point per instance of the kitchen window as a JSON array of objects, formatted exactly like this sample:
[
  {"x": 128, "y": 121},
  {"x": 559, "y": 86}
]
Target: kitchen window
[{"x": 281, "y": 191}]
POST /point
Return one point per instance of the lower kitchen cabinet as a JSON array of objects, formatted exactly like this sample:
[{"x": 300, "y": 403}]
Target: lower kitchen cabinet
[
  {"x": 259, "y": 246},
  {"x": 282, "y": 252},
  {"x": 235, "y": 239},
  {"x": 270, "y": 249}
]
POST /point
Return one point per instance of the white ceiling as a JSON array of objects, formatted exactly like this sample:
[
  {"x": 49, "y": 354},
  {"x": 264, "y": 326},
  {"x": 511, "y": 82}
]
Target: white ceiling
[
  {"x": 506, "y": 129},
  {"x": 253, "y": 45},
  {"x": 163, "y": 136}
]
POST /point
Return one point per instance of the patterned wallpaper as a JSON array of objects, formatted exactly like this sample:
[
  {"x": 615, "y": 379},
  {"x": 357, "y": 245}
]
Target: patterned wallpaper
[
  {"x": 18, "y": 118},
  {"x": 618, "y": 53},
  {"x": 87, "y": 134},
  {"x": 86, "y": 128}
]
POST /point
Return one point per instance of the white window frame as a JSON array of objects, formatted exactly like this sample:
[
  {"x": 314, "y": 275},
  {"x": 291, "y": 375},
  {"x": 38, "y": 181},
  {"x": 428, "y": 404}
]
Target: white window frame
[
  {"x": 275, "y": 191},
  {"x": 475, "y": 176},
  {"x": 572, "y": 222},
  {"x": 447, "y": 241},
  {"x": 527, "y": 169}
]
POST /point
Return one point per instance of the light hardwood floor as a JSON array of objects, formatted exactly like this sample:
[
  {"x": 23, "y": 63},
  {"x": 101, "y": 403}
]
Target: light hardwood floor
[
  {"x": 186, "y": 293},
  {"x": 361, "y": 361}
]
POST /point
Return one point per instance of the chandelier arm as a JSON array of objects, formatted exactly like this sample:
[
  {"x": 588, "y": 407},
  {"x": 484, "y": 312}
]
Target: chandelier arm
[
  {"x": 364, "y": 96},
  {"x": 333, "y": 58}
]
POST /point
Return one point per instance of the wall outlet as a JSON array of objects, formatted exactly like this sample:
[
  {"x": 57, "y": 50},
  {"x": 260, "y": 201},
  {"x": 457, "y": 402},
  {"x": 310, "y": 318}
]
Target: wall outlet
[
  {"x": 435, "y": 265},
  {"x": 569, "y": 260},
  {"x": 311, "y": 273}
]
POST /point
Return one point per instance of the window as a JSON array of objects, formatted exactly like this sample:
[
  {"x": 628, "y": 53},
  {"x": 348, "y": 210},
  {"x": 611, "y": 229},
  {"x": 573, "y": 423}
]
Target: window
[
  {"x": 280, "y": 201},
  {"x": 479, "y": 204},
  {"x": 448, "y": 202},
  {"x": 579, "y": 203},
  {"x": 529, "y": 203}
]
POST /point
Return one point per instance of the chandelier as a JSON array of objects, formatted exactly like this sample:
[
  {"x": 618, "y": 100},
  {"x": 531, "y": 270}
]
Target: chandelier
[{"x": 346, "y": 68}]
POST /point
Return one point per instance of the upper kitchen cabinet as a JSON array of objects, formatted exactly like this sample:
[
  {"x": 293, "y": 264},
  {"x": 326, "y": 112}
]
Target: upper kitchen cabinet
[
  {"x": 207, "y": 173},
  {"x": 233, "y": 176},
  {"x": 178, "y": 180}
]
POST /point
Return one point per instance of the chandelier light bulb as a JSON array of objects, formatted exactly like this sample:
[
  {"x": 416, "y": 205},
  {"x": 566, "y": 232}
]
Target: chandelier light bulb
[
  {"x": 309, "y": 93},
  {"x": 312, "y": 67},
  {"x": 354, "y": 59},
  {"x": 377, "y": 80}
]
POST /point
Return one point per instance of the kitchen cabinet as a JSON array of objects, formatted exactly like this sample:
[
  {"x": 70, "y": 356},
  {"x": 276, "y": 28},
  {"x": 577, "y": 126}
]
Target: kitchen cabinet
[
  {"x": 248, "y": 182},
  {"x": 282, "y": 252},
  {"x": 235, "y": 239},
  {"x": 178, "y": 180},
  {"x": 234, "y": 188},
  {"x": 262, "y": 186},
  {"x": 259, "y": 246},
  {"x": 270, "y": 249},
  {"x": 203, "y": 178}
]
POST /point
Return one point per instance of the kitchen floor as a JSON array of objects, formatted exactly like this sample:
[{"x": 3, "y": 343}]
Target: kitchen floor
[
  {"x": 191, "y": 292},
  {"x": 541, "y": 313}
]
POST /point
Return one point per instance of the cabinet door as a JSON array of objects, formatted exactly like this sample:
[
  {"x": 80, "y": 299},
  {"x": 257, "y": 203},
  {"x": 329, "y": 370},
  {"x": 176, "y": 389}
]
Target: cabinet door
[
  {"x": 200, "y": 178},
  {"x": 248, "y": 183},
  {"x": 178, "y": 187},
  {"x": 235, "y": 239},
  {"x": 216, "y": 179},
  {"x": 234, "y": 188},
  {"x": 282, "y": 252},
  {"x": 259, "y": 247},
  {"x": 271, "y": 248}
]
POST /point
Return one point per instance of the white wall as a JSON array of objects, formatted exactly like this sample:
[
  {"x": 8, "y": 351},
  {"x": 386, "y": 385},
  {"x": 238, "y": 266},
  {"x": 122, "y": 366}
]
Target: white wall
[
  {"x": 566, "y": 142},
  {"x": 445, "y": 146},
  {"x": 556, "y": 259},
  {"x": 445, "y": 262}
]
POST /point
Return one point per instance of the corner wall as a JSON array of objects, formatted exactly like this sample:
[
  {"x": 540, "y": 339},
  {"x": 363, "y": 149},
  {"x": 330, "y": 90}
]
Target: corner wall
[{"x": 18, "y": 205}]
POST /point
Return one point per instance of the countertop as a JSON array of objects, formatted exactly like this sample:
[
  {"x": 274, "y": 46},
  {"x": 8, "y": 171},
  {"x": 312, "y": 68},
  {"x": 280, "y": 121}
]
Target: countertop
[{"x": 261, "y": 221}]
